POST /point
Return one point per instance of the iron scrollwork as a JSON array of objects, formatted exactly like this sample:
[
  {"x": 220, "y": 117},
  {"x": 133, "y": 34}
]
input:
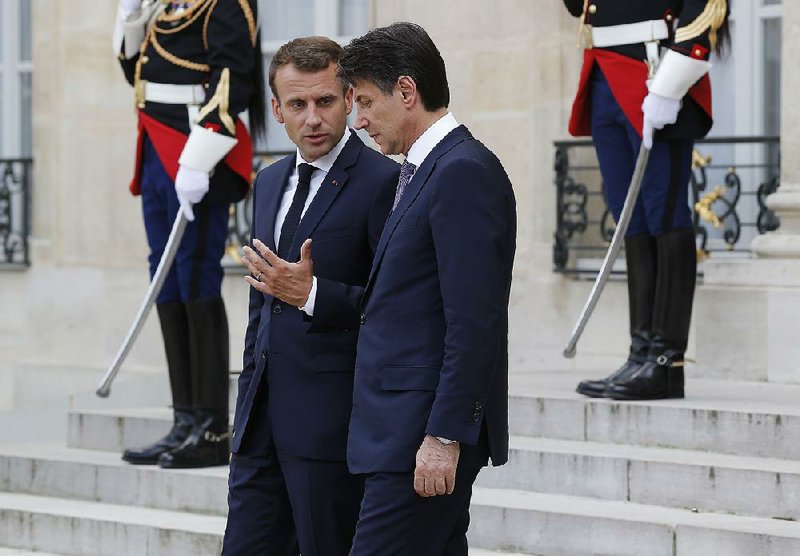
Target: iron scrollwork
[
  {"x": 716, "y": 206},
  {"x": 14, "y": 211},
  {"x": 767, "y": 220},
  {"x": 571, "y": 213}
]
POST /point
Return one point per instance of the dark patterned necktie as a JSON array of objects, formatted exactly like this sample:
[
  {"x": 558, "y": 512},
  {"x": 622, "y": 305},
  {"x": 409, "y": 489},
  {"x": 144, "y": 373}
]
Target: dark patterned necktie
[
  {"x": 406, "y": 172},
  {"x": 292, "y": 219}
]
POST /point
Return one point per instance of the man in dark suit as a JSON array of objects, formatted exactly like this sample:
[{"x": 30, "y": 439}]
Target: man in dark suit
[
  {"x": 295, "y": 391},
  {"x": 431, "y": 384}
]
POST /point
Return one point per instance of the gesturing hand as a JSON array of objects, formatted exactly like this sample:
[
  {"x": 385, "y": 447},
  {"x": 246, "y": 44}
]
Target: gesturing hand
[
  {"x": 435, "y": 473},
  {"x": 289, "y": 282}
]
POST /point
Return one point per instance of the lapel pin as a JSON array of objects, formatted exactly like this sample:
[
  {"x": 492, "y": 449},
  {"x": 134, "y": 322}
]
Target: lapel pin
[{"x": 334, "y": 182}]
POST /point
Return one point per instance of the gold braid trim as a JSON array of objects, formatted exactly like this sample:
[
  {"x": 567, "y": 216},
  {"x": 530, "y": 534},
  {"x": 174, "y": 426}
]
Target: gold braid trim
[
  {"x": 205, "y": 24},
  {"x": 196, "y": 6},
  {"x": 220, "y": 101},
  {"x": 197, "y": 10},
  {"x": 168, "y": 56},
  {"x": 712, "y": 17},
  {"x": 138, "y": 84},
  {"x": 251, "y": 20}
]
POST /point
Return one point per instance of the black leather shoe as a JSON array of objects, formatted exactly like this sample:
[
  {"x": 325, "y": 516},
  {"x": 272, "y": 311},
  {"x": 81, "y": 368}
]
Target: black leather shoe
[
  {"x": 181, "y": 427},
  {"x": 207, "y": 445},
  {"x": 660, "y": 377},
  {"x": 597, "y": 388}
]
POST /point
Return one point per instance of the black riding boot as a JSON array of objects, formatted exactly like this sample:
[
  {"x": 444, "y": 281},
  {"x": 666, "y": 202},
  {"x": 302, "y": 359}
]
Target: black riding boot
[
  {"x": 183, "y": 421},
  {"x": 661, "y": 376},
  {"x": 175, "y": 331},
  {"x": 640, "y": 255},
  {"x": 208, "y": 444}
]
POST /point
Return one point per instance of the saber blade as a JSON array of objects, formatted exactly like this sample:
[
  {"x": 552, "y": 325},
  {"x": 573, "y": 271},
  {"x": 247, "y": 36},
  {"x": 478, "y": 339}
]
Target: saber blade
[
  {"x": 612, "y": 253},
  {"x": 170, "y": 250}
]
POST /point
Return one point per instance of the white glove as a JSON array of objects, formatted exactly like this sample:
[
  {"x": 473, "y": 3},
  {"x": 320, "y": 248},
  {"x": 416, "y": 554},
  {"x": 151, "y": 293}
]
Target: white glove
[
  {"x": 127, "y": 7},
  {"x": 191, "y": 186},
  {"x": 658, "y": 112}
]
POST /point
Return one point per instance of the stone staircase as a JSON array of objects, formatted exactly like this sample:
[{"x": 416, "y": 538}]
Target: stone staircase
[{"x": 715, "y": 474}]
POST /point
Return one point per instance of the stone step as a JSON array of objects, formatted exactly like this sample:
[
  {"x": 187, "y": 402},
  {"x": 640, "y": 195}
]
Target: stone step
[
  {"x": 81, "y": 528},
  {"x": 551, "y": 524},
  {"x": 113, "y": 430},
  {"x": 731, "y": 417},
  {"x": 51, "y": 470},
  {"x": 767, "y": 487},
  {"x": 22, "y": 552},
  {"x": 742, "y": 418}
]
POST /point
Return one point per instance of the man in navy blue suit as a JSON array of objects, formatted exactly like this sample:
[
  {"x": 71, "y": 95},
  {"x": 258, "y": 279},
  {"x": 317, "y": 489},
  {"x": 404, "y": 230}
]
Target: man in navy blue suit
[
  {"x": 295, "y": 391},
  {"x": 430, "y": 401}
]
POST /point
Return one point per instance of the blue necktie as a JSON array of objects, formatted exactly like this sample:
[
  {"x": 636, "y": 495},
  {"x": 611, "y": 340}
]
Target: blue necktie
[
  {"x": 292, "y": 219},
  {"x": 406, "y": 172}
]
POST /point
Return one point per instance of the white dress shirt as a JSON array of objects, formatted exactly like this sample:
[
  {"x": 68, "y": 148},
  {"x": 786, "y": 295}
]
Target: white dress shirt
[
  {"x": 323, "y": 165},
  {"x": 426, "y": 142}
]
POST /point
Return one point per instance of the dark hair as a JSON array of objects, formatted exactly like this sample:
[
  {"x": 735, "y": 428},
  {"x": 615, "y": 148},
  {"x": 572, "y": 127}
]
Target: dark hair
[
  {"x": 385, "y": 54},
  {"x": 723, "y": 46},
  {"x": 306, "y": 54},
  {"x": 257, "y": 106}
]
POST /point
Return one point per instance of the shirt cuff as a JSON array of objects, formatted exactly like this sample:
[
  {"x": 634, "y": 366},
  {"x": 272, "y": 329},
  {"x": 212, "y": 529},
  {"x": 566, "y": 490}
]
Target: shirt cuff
[{"x": 308, "y": 308}]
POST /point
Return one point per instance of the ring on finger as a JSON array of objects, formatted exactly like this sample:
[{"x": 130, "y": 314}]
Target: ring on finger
[{"x": 258, "y": 277}]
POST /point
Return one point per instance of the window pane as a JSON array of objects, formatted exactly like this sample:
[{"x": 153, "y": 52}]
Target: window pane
[
  {"x": 352, "y": 17},
  {"x": 25, "y": 131},
  {"x": 772, "y": 83},
  {"x": 24, "y": 30},
  {"x": 772, "y": 76},
  {"x": 281, "y": 20}
]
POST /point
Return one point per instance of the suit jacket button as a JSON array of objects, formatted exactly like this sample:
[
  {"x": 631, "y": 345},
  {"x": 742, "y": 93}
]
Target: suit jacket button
[
  {"x": 363, "y": 318},
  {"x": 276, "y": 308}
]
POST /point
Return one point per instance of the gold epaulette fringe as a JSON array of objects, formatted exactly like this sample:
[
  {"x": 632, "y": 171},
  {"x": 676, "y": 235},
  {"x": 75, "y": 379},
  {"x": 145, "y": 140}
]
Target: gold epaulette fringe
[{"x": 712, "y": 17}]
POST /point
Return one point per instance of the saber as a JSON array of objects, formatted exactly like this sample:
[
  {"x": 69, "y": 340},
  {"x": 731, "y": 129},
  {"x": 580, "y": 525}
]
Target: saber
[
  {"x": 170, "y": 250},
  {"x": 613, "y": 251}
]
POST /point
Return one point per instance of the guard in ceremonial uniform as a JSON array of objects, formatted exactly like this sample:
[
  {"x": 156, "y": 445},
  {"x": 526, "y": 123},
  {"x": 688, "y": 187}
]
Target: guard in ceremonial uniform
[
  {"x": 195, "y": 67},
  {"x": 644, "y": 79}
]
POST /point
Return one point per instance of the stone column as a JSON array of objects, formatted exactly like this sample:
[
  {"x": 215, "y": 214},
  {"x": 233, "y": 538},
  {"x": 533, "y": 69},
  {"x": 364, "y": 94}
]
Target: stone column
[{"x": 785, "y": 242}]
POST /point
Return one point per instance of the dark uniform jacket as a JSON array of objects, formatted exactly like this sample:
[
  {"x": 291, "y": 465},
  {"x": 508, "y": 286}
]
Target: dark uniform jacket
[{"x": 212, "y": 43}]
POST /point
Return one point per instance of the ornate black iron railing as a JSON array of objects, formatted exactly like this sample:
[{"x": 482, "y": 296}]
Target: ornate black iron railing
[
  {"x": 240, "y": 223},
  {"x": 15, "y": 212},
  {"x": 731, "y": 178}
]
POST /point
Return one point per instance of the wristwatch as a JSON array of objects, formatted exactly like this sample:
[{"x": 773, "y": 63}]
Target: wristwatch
[{"x": 445, "y": 441}]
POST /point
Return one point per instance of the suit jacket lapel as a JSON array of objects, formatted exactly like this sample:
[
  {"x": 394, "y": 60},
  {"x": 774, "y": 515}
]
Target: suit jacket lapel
[
  {"x": 413, "y": 189},
  {"x": 272, "y": 201},
  {"x": 328, "y": 191}
]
